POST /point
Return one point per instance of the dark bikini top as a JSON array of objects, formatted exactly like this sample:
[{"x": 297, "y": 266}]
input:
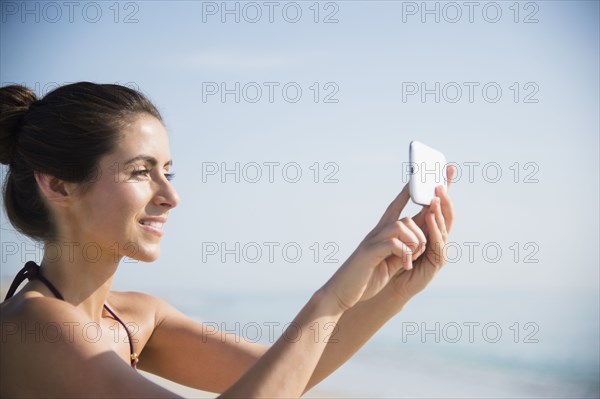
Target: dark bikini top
[{"x": 32, "y": 271}]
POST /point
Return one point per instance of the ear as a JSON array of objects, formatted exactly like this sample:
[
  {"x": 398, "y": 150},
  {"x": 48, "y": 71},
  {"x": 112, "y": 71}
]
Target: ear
[{"x": 54, "y": 189}]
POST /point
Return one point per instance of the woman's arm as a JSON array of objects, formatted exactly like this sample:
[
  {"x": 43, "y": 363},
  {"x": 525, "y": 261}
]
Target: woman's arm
[
  {"x": 358, "y": 324},
  {"x": 363, "y": 294},
  {"x": 353, "y": 330},
  {"x": 284, "y": 370},
  {"x": 201, "y": 357},
  {"x": 194, "y": 354}
]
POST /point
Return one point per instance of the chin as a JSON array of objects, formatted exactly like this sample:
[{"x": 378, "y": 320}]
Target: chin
[{"x": 146, "y": 254}]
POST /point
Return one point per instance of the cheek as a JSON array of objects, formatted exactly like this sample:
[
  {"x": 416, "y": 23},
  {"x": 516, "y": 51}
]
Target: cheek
[{"x": 114, "y": 207}]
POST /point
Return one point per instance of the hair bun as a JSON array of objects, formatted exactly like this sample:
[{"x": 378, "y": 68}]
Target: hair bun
[{"x": 15, "y": 101}]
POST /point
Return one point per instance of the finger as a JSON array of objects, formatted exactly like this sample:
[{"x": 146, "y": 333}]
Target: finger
[
  {"x": 450, "y": 174},
  {"x": 446, "y": 206},
  {"x": 392, "y": 213},
  {"x": 419, "y": 218},
  {"x": 394, "y": 246},
  {"x": 434, "y": 234},
  {"x": 437, "y": 236},
  {"x": 401, "y": 231},
  {"x": 439, "y": 219},
  {"x": 416, "y": 230}
]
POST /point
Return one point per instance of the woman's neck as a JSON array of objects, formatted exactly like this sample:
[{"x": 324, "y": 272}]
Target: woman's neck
[{"x": 82, "y": 274}]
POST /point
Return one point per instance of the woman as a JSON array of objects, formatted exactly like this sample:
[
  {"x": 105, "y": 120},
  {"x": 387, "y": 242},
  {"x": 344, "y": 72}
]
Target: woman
[{"x": 89, "y": 176}]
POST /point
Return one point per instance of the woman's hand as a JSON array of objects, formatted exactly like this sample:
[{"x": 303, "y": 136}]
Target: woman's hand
[
  {"x": 436, "y": 221},
  {"x": 405, "y": 253}
]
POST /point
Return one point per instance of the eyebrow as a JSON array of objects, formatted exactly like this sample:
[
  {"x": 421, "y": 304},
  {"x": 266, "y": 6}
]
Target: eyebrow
[{"x": 150, "y": 159}]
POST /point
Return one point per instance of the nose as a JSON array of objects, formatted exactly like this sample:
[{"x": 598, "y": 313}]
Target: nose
[{"x": 166, "y": 196}]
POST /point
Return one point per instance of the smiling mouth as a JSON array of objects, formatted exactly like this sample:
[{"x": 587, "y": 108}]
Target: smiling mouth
[
  {"x": 156, "y": 225},
  {"x": 153, "y": 227}
]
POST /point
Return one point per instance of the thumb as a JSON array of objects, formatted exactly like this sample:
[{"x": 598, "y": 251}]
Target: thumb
[
  {"x": 392, "y": 213},
  {"x": 419, "y": 218}
]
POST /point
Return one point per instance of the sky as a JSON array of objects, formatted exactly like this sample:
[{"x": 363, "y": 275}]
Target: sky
[
  {"x": 527, "y": 162},
  {"x": 289, "y": 127}
]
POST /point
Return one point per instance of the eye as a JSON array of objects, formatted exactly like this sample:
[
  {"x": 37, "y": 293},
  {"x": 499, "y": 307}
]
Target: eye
[
  {"x": 145, "y": 172},
  {"x": 141, "y": 172}
]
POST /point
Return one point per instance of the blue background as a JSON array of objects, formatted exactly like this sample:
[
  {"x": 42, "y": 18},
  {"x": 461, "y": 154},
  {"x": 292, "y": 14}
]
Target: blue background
[{"x": 365, "y": 55}]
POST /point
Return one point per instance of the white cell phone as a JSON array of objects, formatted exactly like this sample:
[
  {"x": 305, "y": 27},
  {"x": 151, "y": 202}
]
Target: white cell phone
[{"x": 427, "y": 170}]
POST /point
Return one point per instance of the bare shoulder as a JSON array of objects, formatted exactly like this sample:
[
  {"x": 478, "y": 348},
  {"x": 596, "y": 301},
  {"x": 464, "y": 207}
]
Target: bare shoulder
[
  {"x": 139, "y": 306},
  {"x": 32, "y": 306},
  {"x": 133, "y": 302},
  {"x": 129, "y": 306},
  {"x": 143, "y": 313},
  {"x": 52, "y": 340}
]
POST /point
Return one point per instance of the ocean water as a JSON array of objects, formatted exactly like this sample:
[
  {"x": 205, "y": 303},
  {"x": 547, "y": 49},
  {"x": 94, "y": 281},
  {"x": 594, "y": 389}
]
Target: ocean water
[
  {"x": 442, "y": 344},
  {"x": 445, "y": 343}
]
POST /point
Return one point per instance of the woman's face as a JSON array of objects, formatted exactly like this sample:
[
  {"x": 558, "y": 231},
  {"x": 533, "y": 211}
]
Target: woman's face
[{"x": 124, "y": 210}]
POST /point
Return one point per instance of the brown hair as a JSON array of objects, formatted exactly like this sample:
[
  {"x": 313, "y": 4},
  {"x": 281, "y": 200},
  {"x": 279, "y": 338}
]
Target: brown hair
[{"x": 64, "y": 134}]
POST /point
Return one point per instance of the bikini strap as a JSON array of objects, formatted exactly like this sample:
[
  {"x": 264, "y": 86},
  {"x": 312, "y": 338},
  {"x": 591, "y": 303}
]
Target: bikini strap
[
  {"x": 31, "y": 271},
  {"x": 133, "y": 356}
]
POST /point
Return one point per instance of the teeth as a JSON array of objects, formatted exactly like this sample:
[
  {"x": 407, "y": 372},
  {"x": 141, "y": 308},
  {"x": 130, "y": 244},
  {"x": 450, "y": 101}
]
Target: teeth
[{"x": 157, "y": 225}]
